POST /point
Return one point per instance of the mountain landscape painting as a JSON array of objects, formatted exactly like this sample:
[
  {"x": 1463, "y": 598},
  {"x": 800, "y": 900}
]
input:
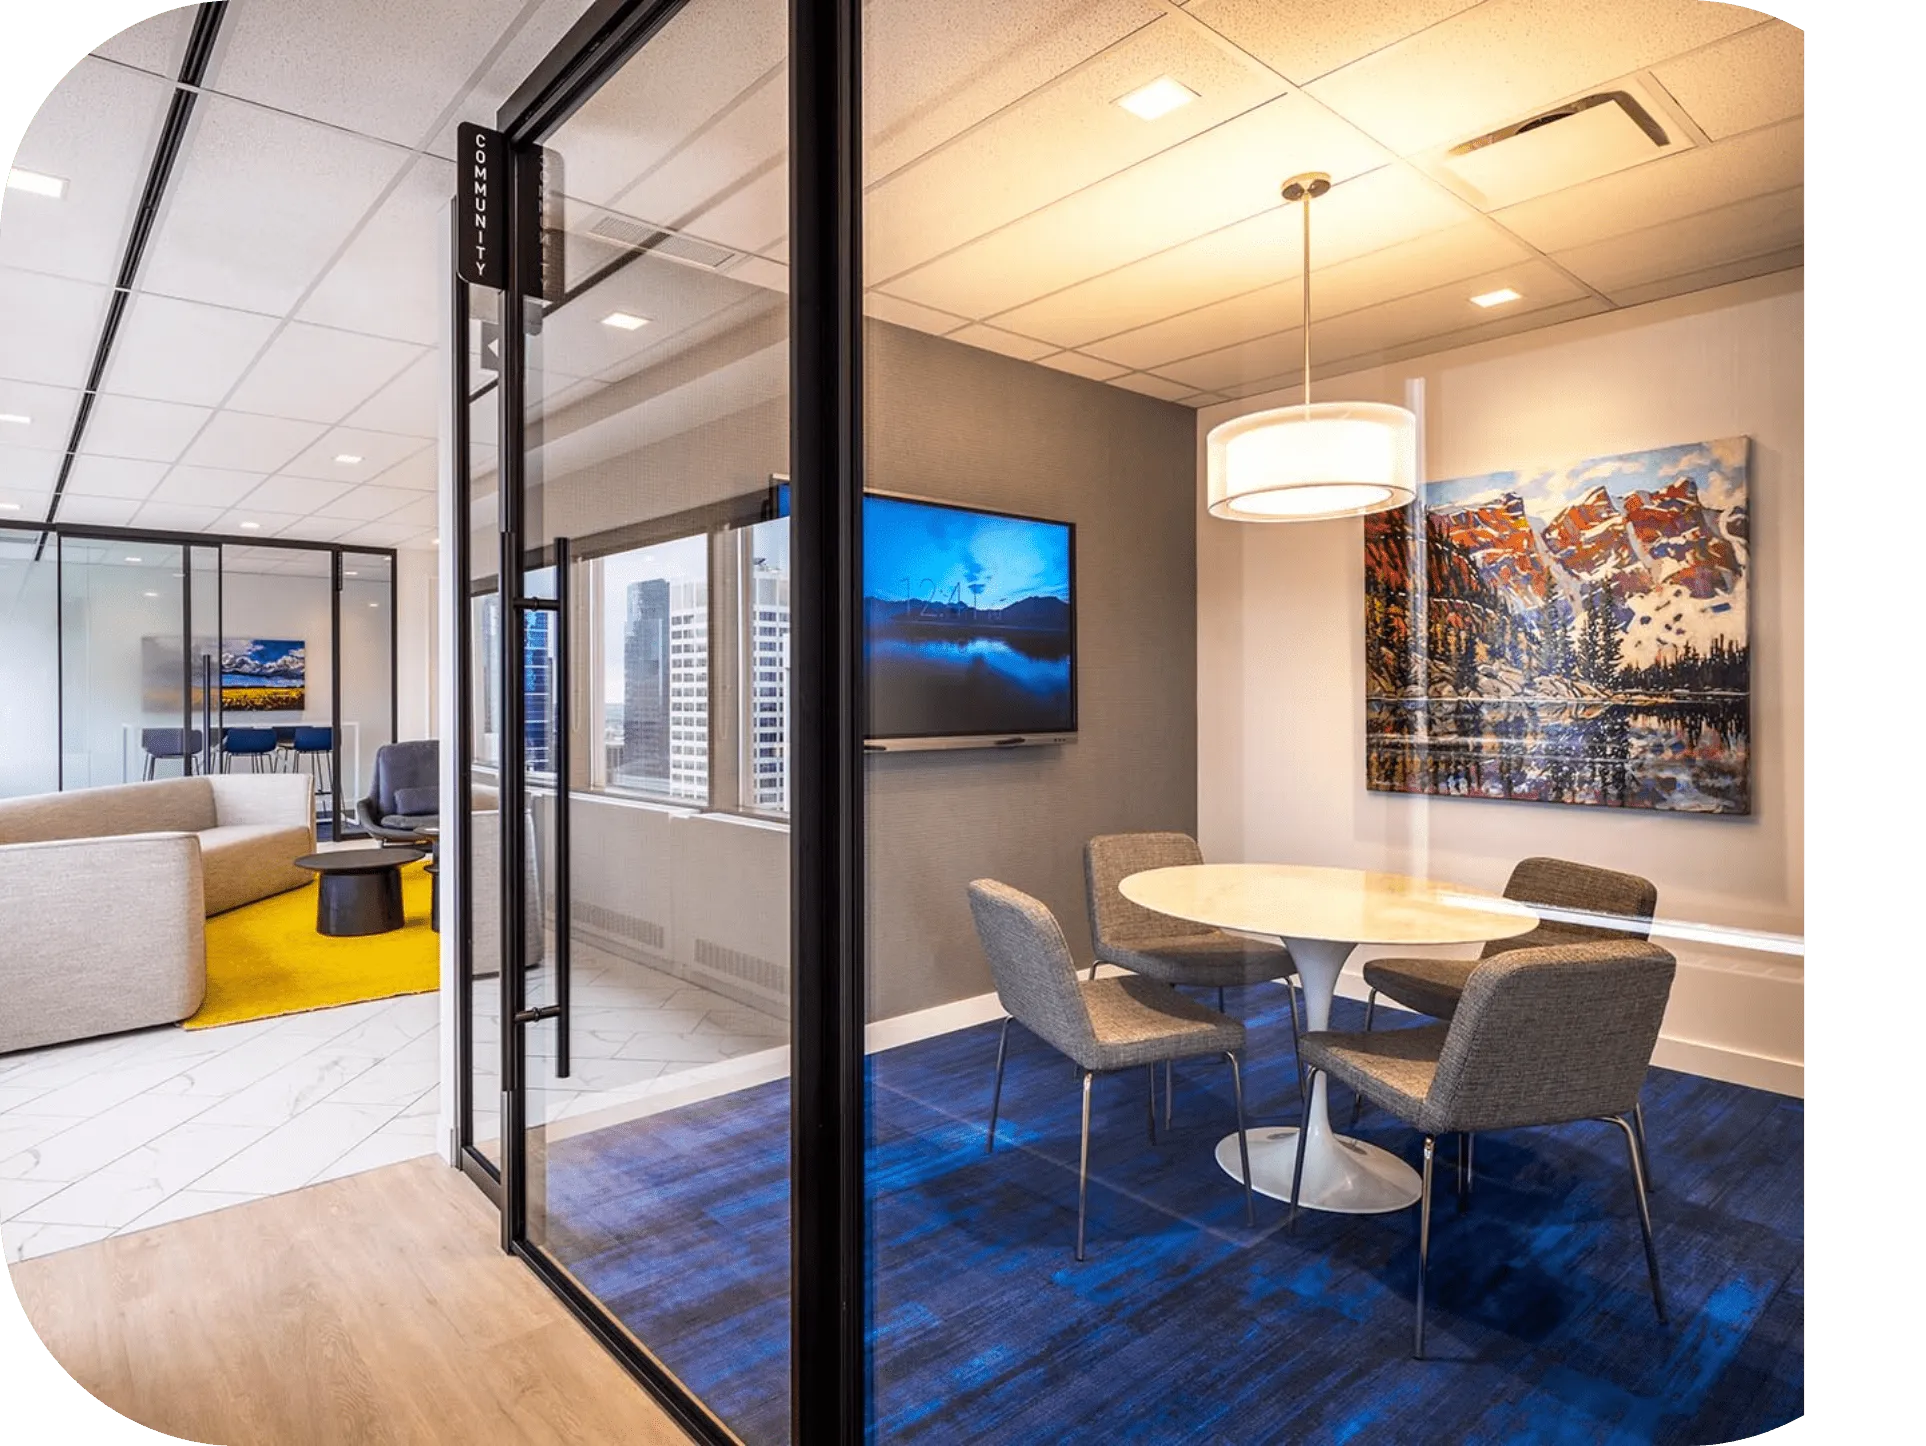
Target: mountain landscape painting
[
  {"x": 1574, "y": 635},
  {"x": 263, "y": 675}
]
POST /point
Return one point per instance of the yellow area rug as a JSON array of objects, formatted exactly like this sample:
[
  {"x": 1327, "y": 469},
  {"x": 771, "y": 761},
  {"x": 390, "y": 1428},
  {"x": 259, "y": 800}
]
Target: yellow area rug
[{"x": 265, "y": 959}]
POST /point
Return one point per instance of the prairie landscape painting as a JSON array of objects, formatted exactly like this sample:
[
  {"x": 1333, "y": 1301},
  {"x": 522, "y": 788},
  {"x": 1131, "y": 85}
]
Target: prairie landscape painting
[
  {"x": 1571, "y": 635},
  {"x": 263, "y": 675}
]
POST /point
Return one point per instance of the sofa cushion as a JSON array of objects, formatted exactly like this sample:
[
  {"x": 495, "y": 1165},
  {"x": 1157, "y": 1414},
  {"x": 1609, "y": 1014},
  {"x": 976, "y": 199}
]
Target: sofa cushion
[
  {"x": 166, "y": 805},
  {"x": 244, "y": 862}
]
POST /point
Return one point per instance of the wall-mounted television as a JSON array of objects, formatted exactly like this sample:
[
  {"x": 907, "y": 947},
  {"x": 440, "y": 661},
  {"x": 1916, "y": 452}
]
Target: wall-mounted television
[{"x": 970, "y": 624}]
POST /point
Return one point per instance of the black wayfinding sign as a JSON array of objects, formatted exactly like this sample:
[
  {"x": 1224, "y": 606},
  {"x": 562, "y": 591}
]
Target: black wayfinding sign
[{"x": 482, "y": 159}]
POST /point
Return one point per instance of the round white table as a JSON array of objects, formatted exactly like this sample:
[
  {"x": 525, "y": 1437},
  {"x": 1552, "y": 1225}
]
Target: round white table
[{"x": 1321, "y": 915}]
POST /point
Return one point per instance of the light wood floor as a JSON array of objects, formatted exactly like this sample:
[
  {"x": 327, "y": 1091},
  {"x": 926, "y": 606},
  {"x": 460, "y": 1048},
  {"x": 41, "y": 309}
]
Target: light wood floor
[{"x": 377, "y": 1308}]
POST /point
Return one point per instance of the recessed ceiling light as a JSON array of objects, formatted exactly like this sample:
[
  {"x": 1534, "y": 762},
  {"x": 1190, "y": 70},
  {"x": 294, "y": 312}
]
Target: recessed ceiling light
[
  {"x": 434, "y": 542},
  {"x": 9, "y": 506},
  {"x": 250, "y": 527},
  {"x": 351, "y": 573},
  {"x": 130, "y": 559},
  {"x": 1162, "y": 96},
  {"x": 623, "y": 321},
  {"x": 150, "y": 594},
  {"x": 19, "y": 419},
  {"x": 348, "y": 459},
  {"x": 1495, "y": 298},
  {"x": 35, "y": 184}
]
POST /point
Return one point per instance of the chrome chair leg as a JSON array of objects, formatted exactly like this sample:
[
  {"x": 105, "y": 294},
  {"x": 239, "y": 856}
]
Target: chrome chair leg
[
  {"x": 1169, "y": 1091},
  {"x": 1297, "y": 1170},
  {"x": 1644, "y": 1216},
  {"x": 1644, "y": 1148},
  {"x": 1424, "y": 1243},
  {"x": 1370, "y": 1009},
  {"x": 1150, "y": 1100},
  {"x": 1243, "y": 1144},
  {"x": 1083, "y": 1164},
  {"x": 1297, "y": 1036},
  {"x": 996, "y": 1091}
]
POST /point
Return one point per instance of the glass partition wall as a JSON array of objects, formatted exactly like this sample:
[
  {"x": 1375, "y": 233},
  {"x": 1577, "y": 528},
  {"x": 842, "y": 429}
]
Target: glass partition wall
[
  {"x": 133, "y": 656},
  {"x": 1006, "y": 269}
]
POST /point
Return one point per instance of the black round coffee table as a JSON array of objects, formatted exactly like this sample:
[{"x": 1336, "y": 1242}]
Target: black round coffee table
[{"x": 360, "y": 890}]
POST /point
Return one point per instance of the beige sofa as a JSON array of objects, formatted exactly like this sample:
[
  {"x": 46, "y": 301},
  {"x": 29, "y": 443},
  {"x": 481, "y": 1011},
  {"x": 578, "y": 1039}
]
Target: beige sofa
[{"x": 105, "y": 892}]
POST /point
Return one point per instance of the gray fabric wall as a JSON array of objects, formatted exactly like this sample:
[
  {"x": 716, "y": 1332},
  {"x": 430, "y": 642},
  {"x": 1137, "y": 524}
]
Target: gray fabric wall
[{"x": 963, "y": 425}]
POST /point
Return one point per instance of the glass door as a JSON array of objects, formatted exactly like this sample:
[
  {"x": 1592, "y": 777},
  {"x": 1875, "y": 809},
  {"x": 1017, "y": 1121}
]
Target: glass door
[
  {"x": 126, "y": 671},
  {"x": 29, "y": 663},
  {"x": 645, "y": 948}
]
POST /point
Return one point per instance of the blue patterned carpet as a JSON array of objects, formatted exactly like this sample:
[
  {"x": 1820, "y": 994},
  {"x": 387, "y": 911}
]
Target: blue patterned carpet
[{"x": 1184, "y": 1324}]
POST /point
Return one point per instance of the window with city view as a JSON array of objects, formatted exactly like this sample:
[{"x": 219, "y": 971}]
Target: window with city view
[
  {"x": 765, "y": 751},
  {"x": 655, "y": 669}
]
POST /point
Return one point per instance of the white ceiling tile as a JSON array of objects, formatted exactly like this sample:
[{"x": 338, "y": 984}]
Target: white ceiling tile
[
  {"x": 131, "y": 427},
  {"x": 248, "y": 521},
  {"x": 1730, "y": 233},
  {"x": 1231, "y": 173},
  {"x": 96, "y": 132},
  {"x": 1161, "y": 388},
  {"x": 49, "y": 412},
  {"x": 1468, "y": 249},
  {"x": 259, "y": 203},
  {"x": 380, "y": 534},
  {"x": 422, "y": 471},
  {"x": 897, "y": 312},
  {"x": 216, "y": 487},
  {"x": 1308, "y": 38},
  {"x": 157, "y": 44},
  {"x": 114, "y": 477},
  {"x": 1750, "y": 80},
  {"x": 1077, "y": 364},
  {"x": 49, "y": 328},
  {"x": 931, "y": 72},
  {"x": 369, "y": 66},
  {"x": 292, "y": 495},
  {"x": 1791, "y": 258},
  {"x": 314, "y": 528},
  {"x": 19, "y": 505},
  {"x": 391, "y": 280},
  {"x": 541, "y": 29},
  {"x": 1007, "y": 343},
  {"x": 422, "y": 512},
  {"x": 249, "y": 443},
  {"x": 378, "y": 452},
  {"x": 1367, "y": 213},
  {"x": 1505, "y": 60},
  {"x": 1058, "y": 140},
  {"x": 171, "y": 350},
  {"x": 410, "y": 405},
  {"x": 25, "y": 470},
  {"x": 98, "y": 511},
  {"x": 319, "y": 374},
  {"x": 366, "y": 503},
  {"x": 177, "y": 517},
  {"x": 1664, "y": 190}
]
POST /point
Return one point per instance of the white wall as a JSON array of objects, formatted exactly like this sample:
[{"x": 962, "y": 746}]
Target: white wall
[
  {"x": 1281, "y": 656},
  {"x": 417, "y": 644}
]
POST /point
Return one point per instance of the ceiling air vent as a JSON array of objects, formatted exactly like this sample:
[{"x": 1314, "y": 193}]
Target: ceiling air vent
[
  {"x": 1575, "y": 142},
  {"x": 661, "y": 241}
]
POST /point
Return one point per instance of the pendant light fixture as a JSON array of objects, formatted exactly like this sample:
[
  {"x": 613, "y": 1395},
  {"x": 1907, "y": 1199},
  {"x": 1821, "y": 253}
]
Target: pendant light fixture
[{"x": 1315, "y": 460}]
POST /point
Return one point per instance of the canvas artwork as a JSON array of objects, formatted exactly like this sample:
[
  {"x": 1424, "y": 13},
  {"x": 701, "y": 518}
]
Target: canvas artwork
[
  {"x": 1575, "y": 635},
  {"x": 263, "y": 675}
]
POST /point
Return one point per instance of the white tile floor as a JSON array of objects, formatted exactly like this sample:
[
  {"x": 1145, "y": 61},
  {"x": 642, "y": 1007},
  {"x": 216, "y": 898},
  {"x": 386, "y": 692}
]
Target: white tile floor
[{"x": 103, "y": 1137}]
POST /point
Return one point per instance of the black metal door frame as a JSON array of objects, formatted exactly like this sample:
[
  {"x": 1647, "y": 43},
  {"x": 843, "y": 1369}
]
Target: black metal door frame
[{"x": 829, "y": 1310}]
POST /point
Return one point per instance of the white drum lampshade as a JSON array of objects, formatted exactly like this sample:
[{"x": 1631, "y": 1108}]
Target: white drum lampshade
[{"x": 1306, "y": 463}]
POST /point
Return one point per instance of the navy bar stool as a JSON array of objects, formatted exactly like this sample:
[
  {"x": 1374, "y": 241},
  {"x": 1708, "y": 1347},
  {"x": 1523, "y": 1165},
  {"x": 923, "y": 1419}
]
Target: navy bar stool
[
  {"x": 316, "y": 745},
  {"x": 254, "y": 744}
]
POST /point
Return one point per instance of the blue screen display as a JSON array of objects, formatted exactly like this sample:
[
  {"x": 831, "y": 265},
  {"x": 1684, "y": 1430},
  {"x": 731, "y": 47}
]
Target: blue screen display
[{"x": 968, "y": 621}]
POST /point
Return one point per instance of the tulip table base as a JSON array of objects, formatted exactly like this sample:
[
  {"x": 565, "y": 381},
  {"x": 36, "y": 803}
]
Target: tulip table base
[{"x": 1342, "y": 1175}]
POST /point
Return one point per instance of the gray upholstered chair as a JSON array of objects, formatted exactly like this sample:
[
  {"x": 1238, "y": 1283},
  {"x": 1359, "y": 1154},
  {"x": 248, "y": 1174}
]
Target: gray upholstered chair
[
  {"x": 1579, "y": 904},
  {"x": 1101, "y": 1024},
  {"x": 405, "y": 792},
  {"x": 1173, "y": 951},
  {"x": 1541, "y": 1036}
]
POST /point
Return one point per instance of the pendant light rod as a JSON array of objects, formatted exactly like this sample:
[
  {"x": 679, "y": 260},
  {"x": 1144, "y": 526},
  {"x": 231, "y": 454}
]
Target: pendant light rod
[{"x": 1304, "y": 188}]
